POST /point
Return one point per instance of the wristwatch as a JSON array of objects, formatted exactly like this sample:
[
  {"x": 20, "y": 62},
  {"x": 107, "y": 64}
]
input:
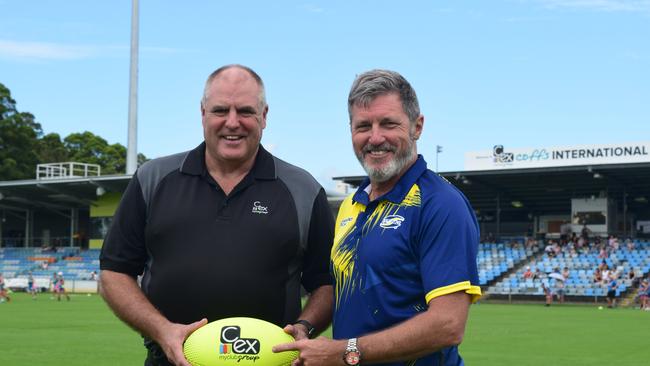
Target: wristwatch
[
  {"x": 352, "y": 355},
  {"x": 310, "y": 328}
]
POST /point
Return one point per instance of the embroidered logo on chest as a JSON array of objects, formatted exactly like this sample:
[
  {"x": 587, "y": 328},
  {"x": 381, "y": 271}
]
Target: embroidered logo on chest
[
  {"x": 259, "y": 209},
  {"x": 345, "y": 221},
  {"x": 391, "y": 222}
]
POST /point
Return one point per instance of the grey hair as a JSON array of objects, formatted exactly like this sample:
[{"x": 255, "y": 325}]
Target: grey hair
[
  {"x": 371, "y": 84},
  {"x": 253, "y": 74}
]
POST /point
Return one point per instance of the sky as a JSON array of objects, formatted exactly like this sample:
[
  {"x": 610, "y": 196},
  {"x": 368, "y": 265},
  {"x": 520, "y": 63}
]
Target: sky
[{"x": 519, "y": 73}]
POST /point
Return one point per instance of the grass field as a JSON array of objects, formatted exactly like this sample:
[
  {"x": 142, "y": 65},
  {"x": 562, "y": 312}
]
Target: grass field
[{"x": 85, "y": 332}]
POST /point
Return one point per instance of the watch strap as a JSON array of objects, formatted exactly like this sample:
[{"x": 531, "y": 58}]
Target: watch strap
[
  {"x": 352, "y": 355},
  {"x": 310, "y": 327}
]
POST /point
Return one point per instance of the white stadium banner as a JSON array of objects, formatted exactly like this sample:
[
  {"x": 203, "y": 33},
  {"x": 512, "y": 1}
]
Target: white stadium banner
[{"x": 502, "y": 157}]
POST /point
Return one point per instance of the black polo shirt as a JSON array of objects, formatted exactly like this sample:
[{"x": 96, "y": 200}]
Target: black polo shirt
[{"x": 203, "y": 253}]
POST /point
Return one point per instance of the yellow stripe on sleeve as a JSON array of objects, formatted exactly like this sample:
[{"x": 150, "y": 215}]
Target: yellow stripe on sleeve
[{"x": 466, "y": 286}]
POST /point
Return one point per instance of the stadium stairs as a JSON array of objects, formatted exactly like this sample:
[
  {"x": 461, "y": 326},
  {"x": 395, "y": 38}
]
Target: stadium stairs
[
  {"x": 537, "y": 254},
  {"x": 496, "y": 260}
]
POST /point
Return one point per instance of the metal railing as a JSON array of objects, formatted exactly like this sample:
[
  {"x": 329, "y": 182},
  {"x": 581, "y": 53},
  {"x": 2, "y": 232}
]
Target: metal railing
[{"x": 67, "y": 170}]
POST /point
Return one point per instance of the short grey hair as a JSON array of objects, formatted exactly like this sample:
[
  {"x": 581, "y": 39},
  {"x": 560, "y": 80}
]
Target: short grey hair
[
  {"x": 371, "y": 84},
  {"x": 253, "y": 74}
]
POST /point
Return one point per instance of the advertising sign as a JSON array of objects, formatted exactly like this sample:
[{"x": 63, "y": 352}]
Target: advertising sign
[{"x": 502, "y": 157}]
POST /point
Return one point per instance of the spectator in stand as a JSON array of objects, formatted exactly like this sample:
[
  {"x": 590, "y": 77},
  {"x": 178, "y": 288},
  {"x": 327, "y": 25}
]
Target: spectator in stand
[
  {"x": 630, "y": 244},
  {"x": 528, "y": 274},
  {"x": 538, "y": 275},
  {"x": 597, "y": 240},
  {"x": 570, "y": 246},
  {"x": 549, "y": 249},
  {"x": 584, "y": 234},
  {"x": 581, "y": 242},
  {"x": 598, "y": 276},
  {"x": 557, "y": 249},
  {"x": 602, "y": 265},
  {"x": 611, "y": 293},
  {"x": 634, "y": 279},
  {"x": 603, "y": 253},
  {"x": 612, "y": 243},
  {"x": 607, "y": 274},
  {"x": 531, "y": 243}
]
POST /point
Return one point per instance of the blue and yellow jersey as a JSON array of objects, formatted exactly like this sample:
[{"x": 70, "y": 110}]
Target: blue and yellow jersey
[{"x": 393, "y": 255}]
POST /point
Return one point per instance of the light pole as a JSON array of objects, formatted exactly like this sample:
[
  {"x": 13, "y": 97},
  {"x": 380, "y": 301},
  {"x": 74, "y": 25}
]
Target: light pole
[
  {"x": 438, "y": 150},
  {"x": 132, "y": 137}
]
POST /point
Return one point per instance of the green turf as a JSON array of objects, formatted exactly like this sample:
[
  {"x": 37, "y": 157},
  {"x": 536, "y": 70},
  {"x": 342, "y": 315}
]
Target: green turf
[
  {"x": 85, "y": 332},
  {"x": 530, "y": 335},
  {"x": 80, "y": 332}
]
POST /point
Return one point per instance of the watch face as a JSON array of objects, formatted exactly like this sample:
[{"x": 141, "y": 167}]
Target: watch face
[{"x": 352, "y": 358}]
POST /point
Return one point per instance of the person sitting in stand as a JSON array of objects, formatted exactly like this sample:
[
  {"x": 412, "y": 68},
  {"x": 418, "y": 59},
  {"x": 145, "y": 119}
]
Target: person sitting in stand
[
  {"x": 630, "y": 244},
  {"x": 528, "y": 274},
  {"x": 597, "y": 277},
  {"x": 549, "y": 250},
  {"x": 603, "y": 253},
  {"x": 607, "y": 274}
]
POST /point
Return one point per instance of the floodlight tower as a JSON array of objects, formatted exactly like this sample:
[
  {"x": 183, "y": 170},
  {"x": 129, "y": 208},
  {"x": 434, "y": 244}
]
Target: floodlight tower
[{"x": 132, "y": 143}]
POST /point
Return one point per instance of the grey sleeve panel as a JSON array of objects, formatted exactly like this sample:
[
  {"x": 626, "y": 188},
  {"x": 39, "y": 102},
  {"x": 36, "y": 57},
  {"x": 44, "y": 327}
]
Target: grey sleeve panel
[
  {"x": 303, "y": 189},
  {"x": 152, "y": 172}
]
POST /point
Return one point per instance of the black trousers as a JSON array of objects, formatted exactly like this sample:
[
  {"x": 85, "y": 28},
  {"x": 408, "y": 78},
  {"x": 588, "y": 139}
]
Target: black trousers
[{"x": 155, "y": 355}]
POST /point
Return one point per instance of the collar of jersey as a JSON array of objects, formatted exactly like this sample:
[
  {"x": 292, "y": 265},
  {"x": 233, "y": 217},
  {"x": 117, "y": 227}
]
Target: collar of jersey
[
  {"x": 401, "y": 189},
  {"x": 263, "y": 168}
]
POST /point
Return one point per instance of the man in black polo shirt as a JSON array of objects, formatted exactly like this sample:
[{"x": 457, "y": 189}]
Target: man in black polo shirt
[{"x": 223, "y": 230}]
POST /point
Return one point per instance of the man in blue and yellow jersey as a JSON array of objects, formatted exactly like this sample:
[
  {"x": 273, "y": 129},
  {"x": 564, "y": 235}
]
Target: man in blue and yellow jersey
[{"x": 404, "y": 253}]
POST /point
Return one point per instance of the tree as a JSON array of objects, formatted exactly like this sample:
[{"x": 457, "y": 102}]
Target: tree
[
  {"x": 52, "y": 150},
  {"x": 22, "y": 145},
  {"x": 87, "y": 147},
  {"x": 19, "y": 134}
]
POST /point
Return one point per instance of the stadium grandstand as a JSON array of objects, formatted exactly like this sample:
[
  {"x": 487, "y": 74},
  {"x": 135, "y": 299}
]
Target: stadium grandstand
[{"x": 526, "y": 200}]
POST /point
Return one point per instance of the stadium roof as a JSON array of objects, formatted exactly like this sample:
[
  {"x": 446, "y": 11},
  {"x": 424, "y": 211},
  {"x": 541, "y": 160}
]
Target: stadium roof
[
  {"x": 548, "y": 191},
  {"x": 58, "y": 193}
]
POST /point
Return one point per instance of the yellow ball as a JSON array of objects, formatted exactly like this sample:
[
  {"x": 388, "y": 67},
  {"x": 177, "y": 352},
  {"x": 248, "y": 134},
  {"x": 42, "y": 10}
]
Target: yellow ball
[{"x": 238, "y": 342}]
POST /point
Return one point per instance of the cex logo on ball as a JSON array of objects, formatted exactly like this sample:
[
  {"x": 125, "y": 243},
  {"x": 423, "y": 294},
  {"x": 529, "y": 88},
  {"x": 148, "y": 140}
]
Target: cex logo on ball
[{"x": 232, "y": 342}]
